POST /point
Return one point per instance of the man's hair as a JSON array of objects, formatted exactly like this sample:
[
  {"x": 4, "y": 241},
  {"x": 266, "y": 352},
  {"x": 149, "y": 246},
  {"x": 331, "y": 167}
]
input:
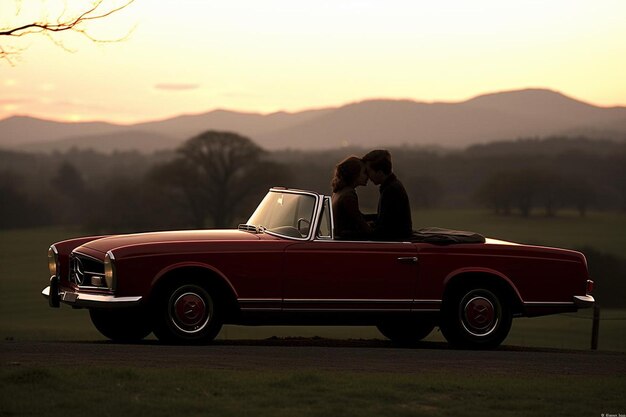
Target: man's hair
[{"x": 379, "y": 160}]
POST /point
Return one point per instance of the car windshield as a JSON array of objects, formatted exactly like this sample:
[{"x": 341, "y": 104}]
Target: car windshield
[{"x": 284, "y": 213}]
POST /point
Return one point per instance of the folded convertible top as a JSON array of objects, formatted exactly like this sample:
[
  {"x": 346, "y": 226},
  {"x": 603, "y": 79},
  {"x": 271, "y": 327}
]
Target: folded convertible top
[{"x": 440, "y": 236}]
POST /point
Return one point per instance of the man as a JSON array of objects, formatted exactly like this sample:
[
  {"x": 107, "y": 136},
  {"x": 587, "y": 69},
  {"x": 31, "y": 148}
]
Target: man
[{"x": 393, "y": 221}]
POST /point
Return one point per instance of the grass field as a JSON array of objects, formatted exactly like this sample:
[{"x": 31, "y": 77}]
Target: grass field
[{"x": 198, "y": 392}]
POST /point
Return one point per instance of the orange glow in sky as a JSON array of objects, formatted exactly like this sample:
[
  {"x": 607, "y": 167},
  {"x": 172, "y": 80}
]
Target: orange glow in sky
[{"x": 192, "y": 56}]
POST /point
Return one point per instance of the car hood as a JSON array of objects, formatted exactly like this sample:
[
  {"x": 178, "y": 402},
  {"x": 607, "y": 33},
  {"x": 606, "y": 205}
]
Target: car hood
[{"x": 111, "y": 242}]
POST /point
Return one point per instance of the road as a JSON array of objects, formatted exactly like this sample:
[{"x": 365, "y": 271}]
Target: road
[{"x": 315, "y": 354}]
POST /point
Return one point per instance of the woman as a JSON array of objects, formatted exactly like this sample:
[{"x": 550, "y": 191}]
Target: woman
[{"x": 349, "y": 221}]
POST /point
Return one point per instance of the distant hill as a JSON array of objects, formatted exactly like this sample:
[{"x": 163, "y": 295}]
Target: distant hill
[
  {"x": 108, "y": 142},
  {"x": 247, "y": 124},
  {"x": 22, "y": 130},
  {"x": 371, "y": 123}
]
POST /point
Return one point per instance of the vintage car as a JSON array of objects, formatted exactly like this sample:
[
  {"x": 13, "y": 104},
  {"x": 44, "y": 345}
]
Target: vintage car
[{"x": 284, "y": 266}]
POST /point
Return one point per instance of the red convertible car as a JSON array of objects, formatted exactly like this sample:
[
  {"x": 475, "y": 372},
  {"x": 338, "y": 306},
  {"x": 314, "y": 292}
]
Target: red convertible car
[{"x": 285, "y": 267}]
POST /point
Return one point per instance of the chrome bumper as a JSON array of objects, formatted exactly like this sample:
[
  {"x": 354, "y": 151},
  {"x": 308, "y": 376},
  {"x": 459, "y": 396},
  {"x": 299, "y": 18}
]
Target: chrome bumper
[
  {"x": 76, "y": 299},
  {"x": 584, "y": 301}
]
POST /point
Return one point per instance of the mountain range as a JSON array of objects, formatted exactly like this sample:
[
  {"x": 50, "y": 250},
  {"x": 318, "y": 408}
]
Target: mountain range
[{"x": 371, "y": 123}]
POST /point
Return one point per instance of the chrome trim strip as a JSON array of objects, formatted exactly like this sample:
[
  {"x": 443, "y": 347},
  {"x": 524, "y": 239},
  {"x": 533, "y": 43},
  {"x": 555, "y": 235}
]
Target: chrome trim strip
[
  {"x": 347, "y": 310},
  {"x": 317, "y": 214},
  {"x": 547, "y": 303},
  {"x": 339, "y": 300},
  {"x": 291, "y": 305},
  {"x": 317, "y": 238},
  {"x": 332, "y": 217},
  {"x": 93, "y": 300},
  {"x": 344, "y": 310},
  {"x": 346, "y": 300},
  {"x": 74, "y": 252},
  {"x": 261, "y": 304}
]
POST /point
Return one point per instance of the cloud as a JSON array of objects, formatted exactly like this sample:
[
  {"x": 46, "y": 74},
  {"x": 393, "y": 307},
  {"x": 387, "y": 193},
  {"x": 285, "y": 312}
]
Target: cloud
[
  {"x": 14, "y": 102},
  {"x": 176, "y": 86}
]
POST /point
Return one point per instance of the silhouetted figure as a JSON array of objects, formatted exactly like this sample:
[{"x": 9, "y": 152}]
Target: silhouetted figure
[
  {"x": 393, "y": 220},
  {"x": 350, "y": 223}
]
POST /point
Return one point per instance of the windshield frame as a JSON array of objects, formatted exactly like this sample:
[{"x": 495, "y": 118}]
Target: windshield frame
[{"x": 314, "y": 219}]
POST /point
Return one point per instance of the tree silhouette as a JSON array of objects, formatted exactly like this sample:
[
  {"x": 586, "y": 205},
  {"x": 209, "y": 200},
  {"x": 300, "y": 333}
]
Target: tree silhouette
[
  {"x": 525, "y": 189},
  {"x": 217, "y": 175},
  {"x": 16, "y": 208},
  {"x": 67, "y": 21},
  {"x": 496, "y": 193},
  {"x": 70, "y": 193}
]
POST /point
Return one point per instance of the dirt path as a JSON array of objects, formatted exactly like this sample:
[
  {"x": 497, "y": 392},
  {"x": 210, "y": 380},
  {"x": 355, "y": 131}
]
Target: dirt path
[{"x": 315, "y": 354}]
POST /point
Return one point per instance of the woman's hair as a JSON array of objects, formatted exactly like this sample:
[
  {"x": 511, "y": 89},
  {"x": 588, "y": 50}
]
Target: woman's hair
[{"x": 346, "y": 173}]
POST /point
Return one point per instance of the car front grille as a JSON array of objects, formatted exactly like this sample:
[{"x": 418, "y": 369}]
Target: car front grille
[{"x": 86, "y": 271}]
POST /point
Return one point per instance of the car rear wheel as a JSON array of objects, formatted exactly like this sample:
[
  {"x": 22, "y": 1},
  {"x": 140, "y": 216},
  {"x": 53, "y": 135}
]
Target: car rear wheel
[
  {"x": 476, "y": 318},
  {"x": 186, "y": 314},
  {"x": 121, "y": 325},
  {"x": 406, "y": 332}
]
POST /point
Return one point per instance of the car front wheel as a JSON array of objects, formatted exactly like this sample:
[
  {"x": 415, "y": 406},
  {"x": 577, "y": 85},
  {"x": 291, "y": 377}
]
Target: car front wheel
[
  {"x": 186, "y": 313},
  {"x": 476, "y": 318},
  {"x": 121, "y": 325}
]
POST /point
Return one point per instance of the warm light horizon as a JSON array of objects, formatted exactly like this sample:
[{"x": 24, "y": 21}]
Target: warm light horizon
[{"x": 195, "y": 56}]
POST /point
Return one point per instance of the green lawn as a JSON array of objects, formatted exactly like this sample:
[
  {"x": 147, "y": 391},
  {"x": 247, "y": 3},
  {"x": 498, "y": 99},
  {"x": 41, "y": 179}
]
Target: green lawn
[{"x": 101, "y": 391}]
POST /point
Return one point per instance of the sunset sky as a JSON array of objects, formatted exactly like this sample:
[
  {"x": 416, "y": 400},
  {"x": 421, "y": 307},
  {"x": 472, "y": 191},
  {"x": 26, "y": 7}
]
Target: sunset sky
[{"x": 193, "y": 56}]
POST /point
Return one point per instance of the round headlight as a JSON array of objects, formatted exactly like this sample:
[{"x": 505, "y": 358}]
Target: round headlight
[
  {"x": 109, "y": 270},
  {"x": 53, "y": 260}
]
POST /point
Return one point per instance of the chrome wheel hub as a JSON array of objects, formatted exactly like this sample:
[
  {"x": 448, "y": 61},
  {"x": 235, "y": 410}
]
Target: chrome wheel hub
[
  {"x": 190, "y": 313},
  {"x": 479, "y": 316}
]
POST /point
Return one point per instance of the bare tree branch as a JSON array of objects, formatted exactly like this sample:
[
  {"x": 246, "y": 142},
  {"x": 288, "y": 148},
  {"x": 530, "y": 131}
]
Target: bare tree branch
[{"x": 62, "y": 24}]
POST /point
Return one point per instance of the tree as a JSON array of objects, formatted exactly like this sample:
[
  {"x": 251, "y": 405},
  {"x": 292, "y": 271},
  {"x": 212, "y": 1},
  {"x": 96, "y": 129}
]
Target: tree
[
  {"x": 16, "y": 208},
  {"x": 496, "y": 193},
  {"x": 66, "y": 21},
  {"x": 70, "y": 193},
  {"x": 426, "y": 191},
  {"x": 507, "y": 189},
  {"x": 218, "y": 175}
]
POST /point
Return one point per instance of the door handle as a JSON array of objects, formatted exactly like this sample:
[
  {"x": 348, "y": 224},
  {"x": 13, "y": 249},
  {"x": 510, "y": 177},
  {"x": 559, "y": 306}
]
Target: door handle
[{"x": 408, "y": 259}]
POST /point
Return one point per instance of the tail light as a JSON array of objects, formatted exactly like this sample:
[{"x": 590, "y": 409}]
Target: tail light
[{"x": 590, "y": 286}]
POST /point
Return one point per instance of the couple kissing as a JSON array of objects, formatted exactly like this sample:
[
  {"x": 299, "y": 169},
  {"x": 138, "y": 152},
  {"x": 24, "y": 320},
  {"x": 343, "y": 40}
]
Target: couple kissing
[{"x": 392, "y": 222}]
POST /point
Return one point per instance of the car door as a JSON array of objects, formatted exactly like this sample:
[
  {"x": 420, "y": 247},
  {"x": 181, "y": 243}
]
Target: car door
[{"x": 325, "y": 274}]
